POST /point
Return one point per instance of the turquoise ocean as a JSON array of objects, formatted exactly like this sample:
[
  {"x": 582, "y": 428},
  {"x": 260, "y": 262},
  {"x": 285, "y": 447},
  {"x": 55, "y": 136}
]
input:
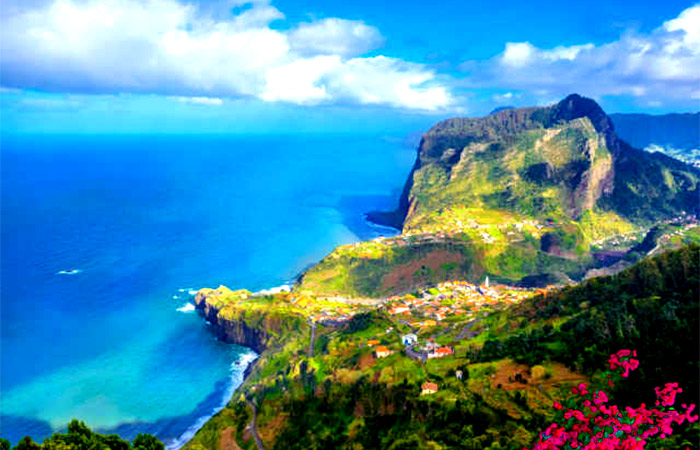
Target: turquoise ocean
[{"x": 105, "y": 239}]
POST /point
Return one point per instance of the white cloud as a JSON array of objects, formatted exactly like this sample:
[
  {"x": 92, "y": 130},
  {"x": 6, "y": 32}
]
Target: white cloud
[
  {"x": 335, "y": 37},
  {"x": 655, "y": 66},
  {"x": 207, "y": 101},
  {"x": 179, "y": 49},
  {"x": 507, "y": 97},
  {"x": 518, "y": 54},
  {"x": 381, "y": 80}
]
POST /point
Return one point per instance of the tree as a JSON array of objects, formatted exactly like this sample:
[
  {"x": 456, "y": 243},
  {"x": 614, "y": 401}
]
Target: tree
[
  {"x": 26, "y": 443},
  {"x": 147, "y": 442}
]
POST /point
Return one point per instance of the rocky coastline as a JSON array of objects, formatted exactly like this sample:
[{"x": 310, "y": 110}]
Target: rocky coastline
[{"x": 232, "y": 331}]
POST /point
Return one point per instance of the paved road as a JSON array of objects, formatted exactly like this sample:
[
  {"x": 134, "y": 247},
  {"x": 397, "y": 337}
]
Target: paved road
[
  {"x": 441, "y": 332},
  {"x": 414, "y": 354},
  {"x": 467, "y": 330},
  {"x": 252, "y": 426},
  {"x": 405, "y": 323}
]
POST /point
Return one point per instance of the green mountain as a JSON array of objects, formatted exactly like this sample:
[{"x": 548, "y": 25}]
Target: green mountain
[
  {"x": 559, "y": 162},
  {"x": 522, "y": 194}
]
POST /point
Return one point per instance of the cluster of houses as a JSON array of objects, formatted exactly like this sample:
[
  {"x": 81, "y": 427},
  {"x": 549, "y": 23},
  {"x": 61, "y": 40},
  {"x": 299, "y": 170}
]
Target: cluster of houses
[
  {"x": 334, "y": 317},
  {"x": 381, "y": 351},
  {"x": 455, "y": 223},
  {"x": 454, "y": 298},
  {"x": 685, "y": 221},
  {"x": 429, "y": 351}
]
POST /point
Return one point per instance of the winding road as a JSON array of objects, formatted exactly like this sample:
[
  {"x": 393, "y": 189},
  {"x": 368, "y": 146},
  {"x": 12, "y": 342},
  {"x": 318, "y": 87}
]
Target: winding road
[{"x": 253, "y": 426}]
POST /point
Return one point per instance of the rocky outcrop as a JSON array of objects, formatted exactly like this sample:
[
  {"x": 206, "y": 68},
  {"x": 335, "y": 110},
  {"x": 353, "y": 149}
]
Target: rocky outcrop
[
  {"x": 605, "y": 173},
  {"x": 232, "y": 330},
  {"x": 241, "y": 318}
]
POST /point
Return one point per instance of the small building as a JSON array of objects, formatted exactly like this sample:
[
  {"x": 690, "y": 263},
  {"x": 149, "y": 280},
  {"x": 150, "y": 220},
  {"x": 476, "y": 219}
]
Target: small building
[
  {"x": 399, "y": 310},
  {"x": 383, "y": 351},
  {"x": 428, "y": 388},
  {"x": 409, "y": 339},
  {"x": 459, "y": 374},
  {"x": 372, "y": 342},
  {"x": 441, "y": 352},
  {"x": 428, "y": 323}
]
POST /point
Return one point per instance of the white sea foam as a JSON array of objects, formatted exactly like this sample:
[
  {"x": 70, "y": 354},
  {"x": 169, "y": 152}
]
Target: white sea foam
[
  {"x": 385, "y": 230},
  {"x": 275, "y": 290},
  {"x": 175, "y": 297},
  {"x": 69, "y": 272},
  {"x": 186, "y": 308},
  {"x": 238, "y": 368},
  {"x": 192, "y": 291},
  {"x": 184, "y": 289}
]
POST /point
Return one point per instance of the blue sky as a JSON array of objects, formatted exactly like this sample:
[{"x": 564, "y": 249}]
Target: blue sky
[{"x": 103, "y": 66}]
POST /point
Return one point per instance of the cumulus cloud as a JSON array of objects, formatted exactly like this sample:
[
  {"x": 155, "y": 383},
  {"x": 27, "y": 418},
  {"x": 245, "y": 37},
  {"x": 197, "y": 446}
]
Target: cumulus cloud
[
  {"x": 661, "y": 65},
  {"x": 335, "y": 37},
  {"x": 370, "y": 81},
  {"x": 179, "y": 49}
]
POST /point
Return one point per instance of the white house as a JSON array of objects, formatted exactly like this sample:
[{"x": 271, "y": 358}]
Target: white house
[{"x": 409, "y": 339}]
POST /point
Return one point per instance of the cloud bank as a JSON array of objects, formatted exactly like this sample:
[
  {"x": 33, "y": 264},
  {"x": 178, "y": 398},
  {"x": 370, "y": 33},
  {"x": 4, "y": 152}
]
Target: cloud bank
[
  {"x": 237, "y": 49},
  {"x": 658, "y": 66},
  {"x": 180, "y": 49}
]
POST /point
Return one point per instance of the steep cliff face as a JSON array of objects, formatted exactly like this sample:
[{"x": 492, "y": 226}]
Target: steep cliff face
[
  {"x": 560, "y": 161},
  {"x": 237, "y": 319}
]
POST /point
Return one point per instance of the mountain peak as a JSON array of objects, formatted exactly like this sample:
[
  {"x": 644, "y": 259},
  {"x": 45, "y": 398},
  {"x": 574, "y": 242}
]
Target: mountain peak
[{"x": 575, "y": 106}]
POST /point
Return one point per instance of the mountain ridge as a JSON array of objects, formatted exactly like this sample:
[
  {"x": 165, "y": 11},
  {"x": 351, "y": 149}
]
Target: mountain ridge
[
  {"x": 455, "y": 133},
  {"x": 522, "y": 194}
]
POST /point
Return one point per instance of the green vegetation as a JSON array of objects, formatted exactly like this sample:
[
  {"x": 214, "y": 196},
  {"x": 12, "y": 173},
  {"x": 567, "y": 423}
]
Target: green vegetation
[
  {"x": 79, "y": 437},
  {"x": 521, "y": 194},
  {"x": 369, "y": 270},
  {"x": 518, "y": 361}
]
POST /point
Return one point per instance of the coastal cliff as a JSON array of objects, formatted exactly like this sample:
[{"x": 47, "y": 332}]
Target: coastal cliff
[{"x": 240, "y": 318}]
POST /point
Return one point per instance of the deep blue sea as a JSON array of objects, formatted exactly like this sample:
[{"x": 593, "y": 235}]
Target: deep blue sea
[{"x": 105, "y": 237}]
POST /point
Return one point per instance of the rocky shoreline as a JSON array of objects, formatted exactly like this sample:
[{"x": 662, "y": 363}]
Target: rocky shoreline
[{"x": 231, "y": 331}]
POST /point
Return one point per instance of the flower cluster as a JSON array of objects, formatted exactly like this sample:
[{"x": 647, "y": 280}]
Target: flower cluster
[
  {"x": 589, "y": 423},
  {"x": 667, "y": 395},
  {"x": 622, "y": 360}
]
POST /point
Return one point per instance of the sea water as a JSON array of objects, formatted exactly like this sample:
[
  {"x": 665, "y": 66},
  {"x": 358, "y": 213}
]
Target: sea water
[{"x": 105, "y": 240}]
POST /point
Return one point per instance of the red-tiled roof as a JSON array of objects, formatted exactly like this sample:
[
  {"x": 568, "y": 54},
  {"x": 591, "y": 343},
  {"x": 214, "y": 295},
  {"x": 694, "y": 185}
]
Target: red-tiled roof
[{"x": 430, "y": 386}]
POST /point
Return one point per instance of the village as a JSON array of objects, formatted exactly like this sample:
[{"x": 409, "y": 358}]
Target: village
[
  {"x": 430, "y": 306},
  {"x": 454, "y": 298},
  {"x": 424, "y": 316}
]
